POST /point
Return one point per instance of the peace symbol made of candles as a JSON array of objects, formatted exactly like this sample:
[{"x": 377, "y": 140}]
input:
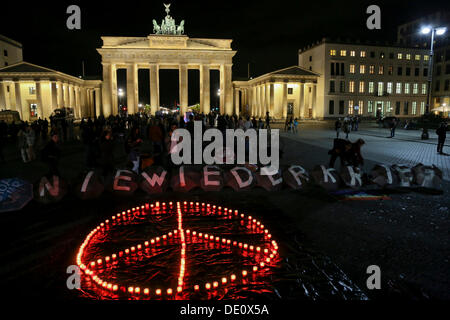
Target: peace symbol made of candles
[{"x": 262, "y": 256}]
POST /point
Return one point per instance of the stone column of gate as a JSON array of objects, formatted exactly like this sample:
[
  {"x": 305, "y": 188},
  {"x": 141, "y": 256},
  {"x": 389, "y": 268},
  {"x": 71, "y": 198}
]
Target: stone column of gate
[
  {"x": 114, "y": 100},
  {"x": 222, "y": 90},
  {"x": 106, "y": 89},
  {"x": 83, "y": 105},
  {"x": 71, "y": 104},
  {"x": 54, "y": 93},
  {"x": 78, "y": 102},
  {"x": 242, "y": 101},
  {"x": 132, "y": 88},
  {"x": 183, "y": 76},
  {"x": 154, "y": 88},
  {"x": 255, "y": 101},
  {"x": 284, "y": 101},
  {"x": 306, "y": 101},
  {"x": 18, "y": 95},
  {"x": 40, "y": 108},
  {"x": 228, "y": 86},
  {"x": 264, "y": 100},
  {"x": 98, "y": 100},
  {"x": 205, "y": 99},
  {"x": 301, "y": 100},
  {"x": 272, "y": 99},
  {"x": 267, "y": 98},
  {"x": 66, "y": 95},
  {"x": 60, "y": 95},
  {"x": 236, "y": 102},
  {"x": 2, "y": 95},
  {"x": 314, "y": 99}
]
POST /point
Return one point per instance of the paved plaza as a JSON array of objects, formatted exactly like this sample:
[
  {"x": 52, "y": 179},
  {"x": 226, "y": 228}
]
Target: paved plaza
[{"x": 405, "y": 148}]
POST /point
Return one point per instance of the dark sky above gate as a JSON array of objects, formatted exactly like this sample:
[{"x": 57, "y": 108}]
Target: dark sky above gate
[{"x": 266, "y": 33}]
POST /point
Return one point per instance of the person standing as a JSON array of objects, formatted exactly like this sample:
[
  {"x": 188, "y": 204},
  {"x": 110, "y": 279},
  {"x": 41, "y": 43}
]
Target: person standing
[
  {"x": 442, "y": 135},
  {"x": 30, "y": 137},
  {"x": 107, "y": 153},
  {"x": 267, "y": 120},
  {"x": 394, "y": 124},
  {"x": 51, "y": 154},
  {"x": 337, "y": 127},
  {"x": 295, "y": 125}
]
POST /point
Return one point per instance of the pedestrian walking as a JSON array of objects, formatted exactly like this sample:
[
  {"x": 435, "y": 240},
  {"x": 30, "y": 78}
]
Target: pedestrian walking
[{"x": 393, "y": 126}]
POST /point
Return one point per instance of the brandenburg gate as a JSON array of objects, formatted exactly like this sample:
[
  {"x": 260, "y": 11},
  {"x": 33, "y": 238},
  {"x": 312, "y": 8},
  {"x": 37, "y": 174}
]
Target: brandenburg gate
[{"x": 166, "y": 48}]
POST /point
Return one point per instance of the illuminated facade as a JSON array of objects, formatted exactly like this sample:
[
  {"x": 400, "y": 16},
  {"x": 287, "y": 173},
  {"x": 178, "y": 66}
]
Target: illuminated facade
[
  {"x": 367, "y": 80},
  {"x": 10, "y": 51},
  {"x": 36, "y": 91},
  {"x": 289, "y": 92}
]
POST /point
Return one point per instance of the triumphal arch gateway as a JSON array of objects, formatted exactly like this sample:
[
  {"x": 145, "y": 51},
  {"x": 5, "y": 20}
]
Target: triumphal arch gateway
[{"x": 166, "y": 48}]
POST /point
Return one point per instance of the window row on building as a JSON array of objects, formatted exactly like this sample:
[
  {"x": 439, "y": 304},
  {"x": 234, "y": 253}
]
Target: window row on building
[
  {"x": 380, "y": 88},
  {"x": 338, "y": 69},
  {"x": 376, "y": 108},
  {"x": 380, "y": 55},
  {"x": 445, "y": 87}
]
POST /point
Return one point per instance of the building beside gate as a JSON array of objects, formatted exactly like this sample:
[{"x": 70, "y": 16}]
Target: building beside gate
[
  {"x": 369, "y": 80},
  {"x": 35, "y": 92}
]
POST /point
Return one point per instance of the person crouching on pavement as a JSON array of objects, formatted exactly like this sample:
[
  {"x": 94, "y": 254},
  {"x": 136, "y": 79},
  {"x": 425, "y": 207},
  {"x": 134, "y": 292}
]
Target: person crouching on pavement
[{"x": 349, "y": 153}]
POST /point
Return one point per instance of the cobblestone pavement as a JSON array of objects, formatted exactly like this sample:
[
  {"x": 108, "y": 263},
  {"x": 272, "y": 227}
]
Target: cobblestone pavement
[{"x": 403, "y": 149}]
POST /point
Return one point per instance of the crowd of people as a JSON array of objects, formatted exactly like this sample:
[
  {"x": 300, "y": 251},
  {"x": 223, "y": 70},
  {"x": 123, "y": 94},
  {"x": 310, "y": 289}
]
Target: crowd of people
[{"x": 347, "y": 125}]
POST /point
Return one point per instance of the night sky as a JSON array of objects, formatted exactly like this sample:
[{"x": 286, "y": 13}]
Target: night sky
[{"x": 266, "y": 34}]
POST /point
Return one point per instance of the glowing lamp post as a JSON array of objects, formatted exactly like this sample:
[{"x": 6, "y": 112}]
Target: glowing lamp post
[{"x": 434, "y": 31}]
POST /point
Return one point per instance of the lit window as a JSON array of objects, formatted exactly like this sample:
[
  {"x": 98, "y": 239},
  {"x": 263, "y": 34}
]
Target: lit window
[
  {"x": 351, "y": 86},
  {"x": 426, "y": 57},
  {"x": 406, "y": 88},
  {"x": 388, "y": 106},
  {"x": 352, "y": 68},
  {"x": 352, "y": 53},
  {"x": 370, "y": 107},
  {"x": 414, "y": 108},
  {"x": 350, "y": 107},
  {"x": 380, "y": 70},
  {"x": 370, "y": 87},
  {"x": 380, "y": 88},
  {"x": 389, "y": 87},
  {"x": 417, "y": 57},
  {"x": 398, "y": 88},
  {"x": 372, "y": 69},
  {"x": 399, "y": 56},
  {"x": 343, "y": 53},
  {"x": 424, "y": 88},
  {"x": 361, "y": 86},
  {"x": 362, "y": 69},
  {"x": 415, "y": 88},
  {"x": 332, "y": 52},
  {"x": 290, "y": 90},
  {"x": 32, "y": 90},
  {"x": 422, "y": 108},
  {"x": 363, "y": 54},
  {"x": 408, "y": 56},
  {"x": 360, "y": 107}
]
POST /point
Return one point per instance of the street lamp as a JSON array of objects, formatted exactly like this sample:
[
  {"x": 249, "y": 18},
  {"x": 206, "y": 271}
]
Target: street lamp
[{"x": 434, "y": 31}]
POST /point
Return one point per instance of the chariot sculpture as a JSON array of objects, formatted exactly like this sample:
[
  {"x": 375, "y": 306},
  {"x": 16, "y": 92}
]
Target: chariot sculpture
[{"x": 168, "y": 25}]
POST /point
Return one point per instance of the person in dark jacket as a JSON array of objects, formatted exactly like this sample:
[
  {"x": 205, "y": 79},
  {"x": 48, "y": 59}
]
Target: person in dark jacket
[
  {"x": 51, "y": 154},
  {"x": 349, "y": 153},
  {"x": 107, "y": 153},
  {"x": 442, "y": 134},
  {"x": 337, "y": 127}
]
